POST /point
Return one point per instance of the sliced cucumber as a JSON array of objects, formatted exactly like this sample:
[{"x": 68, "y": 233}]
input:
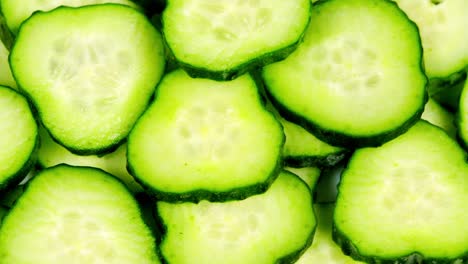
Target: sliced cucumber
[
  {"x": 439, "y": 116},
  {"x": 462, "y": 117},
  {"x": 92, "y": 77},
  {"x": 17, "y": 11},
  {"x": 232, "y": 37},
  {"x": 76, "y": 215},
  {"x": 18, "y": 137},
  {"x": 51, "y": 153},
  {"x": 309, "y": 175},
  {"x": 357, "y": 78},
  {"x": 6, "y": 77},
  {"x": 204, "y": 139},
  {"x": 273, "y": 227},
  {"x": 406, "y": 201},
  {"x": 323, "y": 249},
  {"x": 303, "y": 149},
  {"x": 442, "y": 26}
]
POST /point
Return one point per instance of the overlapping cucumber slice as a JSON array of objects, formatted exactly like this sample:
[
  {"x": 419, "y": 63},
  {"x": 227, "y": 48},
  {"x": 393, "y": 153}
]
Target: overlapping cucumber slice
[{"x": 405, "y": 201}]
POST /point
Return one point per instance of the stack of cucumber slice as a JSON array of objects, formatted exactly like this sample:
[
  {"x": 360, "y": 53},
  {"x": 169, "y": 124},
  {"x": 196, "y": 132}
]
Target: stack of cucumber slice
[{"x": 233, "y": 131}]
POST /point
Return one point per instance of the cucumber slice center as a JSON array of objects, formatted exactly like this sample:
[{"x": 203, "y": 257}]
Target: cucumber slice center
[
  {"x": 350, "y": 68},
  {"x": 208, "y": 132},
  {"x": 74, "y": 230},
  {"x": 418, "y": 190},
  {"x": 88, "y": 71}
]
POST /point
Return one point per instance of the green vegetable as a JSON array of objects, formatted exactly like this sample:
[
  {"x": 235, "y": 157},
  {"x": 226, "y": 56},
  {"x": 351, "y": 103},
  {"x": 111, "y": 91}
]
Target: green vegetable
[
  {"x": 352, "y": 90},
  {"x": 405, "y": 201},
  {"x": 204, "y": 139},
  {"x": 273, "y": 227},
  {"x": 232, "y": 37},
  {"x": 76, "y": 215},
  {"x": 89, "y": 78}
]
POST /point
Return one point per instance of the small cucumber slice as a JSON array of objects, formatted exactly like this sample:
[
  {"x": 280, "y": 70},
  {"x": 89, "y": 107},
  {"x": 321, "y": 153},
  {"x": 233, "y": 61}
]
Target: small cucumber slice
[
  {"x": 91, "y": 77},
  {"x": 406, "y": 201},
  {"x": 357, "y": 79},
  {"x": 17, "y": 11},
  {"x": 76, "y": 215},
  {"x": 18, "y": 137},
  {"x": 439, "y": 116},
  {"x": 273, "y": 227},
  {"x": 232, "y": 36},
  {"x": 309, "y": 175},
  {"x": 205, "y": 139},
  {"x": 323, "y": 249}
]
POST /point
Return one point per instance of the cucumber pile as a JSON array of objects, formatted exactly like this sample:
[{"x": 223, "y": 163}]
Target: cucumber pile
[{"x": 233, "y": 131}]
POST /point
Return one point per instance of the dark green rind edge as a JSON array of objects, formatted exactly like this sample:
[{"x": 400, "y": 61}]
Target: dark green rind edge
[
  {"x": 197, "y": 195},
  {"x": 130, "y": 195},
  {"x": 346, "y": 140},
  {"x": 287, "y": 259},
  {"x": 349, "y": 249},
  {"x": 73, "y": 149},
  {"x": 31, "y": 160},
  {"x": 230, "y": 74},
  {"x": 321, "y": 161}
]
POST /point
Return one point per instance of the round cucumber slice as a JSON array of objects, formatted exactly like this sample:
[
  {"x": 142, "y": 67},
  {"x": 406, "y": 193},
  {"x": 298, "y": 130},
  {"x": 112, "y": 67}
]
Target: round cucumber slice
[
  {"x": 232, "y": 36},
  {"x": 205, "y": 139},
  {"x": 273, "y": 227},
  {"x": 357, "y": 79},
  {"x": 76, "y": 215},
  {"x": 91, "y": 77},
  {"x": 405, "y": 201}
]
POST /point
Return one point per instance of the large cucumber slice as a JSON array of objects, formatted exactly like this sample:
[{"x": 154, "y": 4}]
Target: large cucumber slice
[
  {"x": 18, "y": 137},
  {"x": 76, "y": 215},
  {"x": 205, "y": 139},
  {"x": 273, "y": 227},
  {"x": 92, "y": 77},
  {"x": 223, "y": 39},
  {"x": 357, "y": 78},
  {"x": 406, "y": 201}
]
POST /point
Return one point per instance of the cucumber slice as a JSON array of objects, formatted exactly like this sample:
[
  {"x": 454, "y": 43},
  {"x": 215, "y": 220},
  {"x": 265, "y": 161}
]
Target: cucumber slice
[
  {"x": 309, "y": 175},
  {"x": 303, "y": 149},
  {"x": 204, "y": 139},
  {"x": 17, "y": 11},
  {"x": 232, "y": 37},
  {"x": 51, "y": 153},
  {"x": 406, "y": 201},
  {"x": 6, "y": 77},
  {"x": 76, "y": 215},
  {"x": 439, "y": 116},
  {"x": 323, "y": 249},
  {"x": 442, "y": 26},
  {"x": 273, "y": 227},
  {"x": 18, "y": 137},
  {"x": 357, "y": 78},
  {"x": 92, "y": 77},
  {"x": 462, "y": 117}
]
